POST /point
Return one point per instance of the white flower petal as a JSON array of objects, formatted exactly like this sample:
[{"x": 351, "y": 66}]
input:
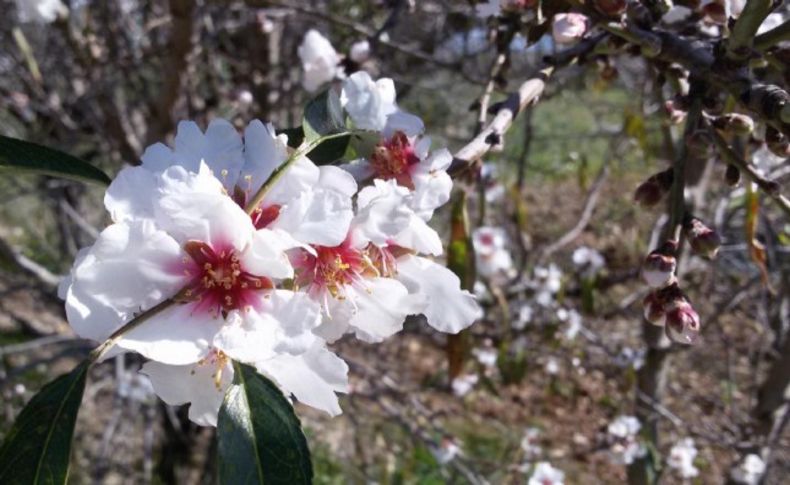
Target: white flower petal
[
  {"x": 131, "y": 195},
  {"x": 368, "y": 103},
  {"x": 449, "y": 308},
  {"x": 265, "y": 255},
  {"x": 313, "y": 378},
  {"x": 382, "y": 305},
  {"x": 176, "y": 336},
  {"x": 196, "y": 384},
  {"x": 284, "y": 324},
  {"x": 263, "y": 152}
]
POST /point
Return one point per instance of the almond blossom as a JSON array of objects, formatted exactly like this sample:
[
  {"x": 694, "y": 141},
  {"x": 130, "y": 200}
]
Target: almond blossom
[
  {"x": 492, "y": 258},
  {"x": 180, "y": 232},
  {"x": 681, "y": 458},
  {"x": 371, "y": 106},
  {"x": 370, "y": 282},
  {"x": 319, "y": 60}
]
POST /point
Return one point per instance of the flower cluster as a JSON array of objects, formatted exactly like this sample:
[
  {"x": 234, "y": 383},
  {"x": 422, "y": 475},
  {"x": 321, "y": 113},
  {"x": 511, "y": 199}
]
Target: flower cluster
[
  {"x": 270, "y": 284},
  {"x": 749, "y": 471}
]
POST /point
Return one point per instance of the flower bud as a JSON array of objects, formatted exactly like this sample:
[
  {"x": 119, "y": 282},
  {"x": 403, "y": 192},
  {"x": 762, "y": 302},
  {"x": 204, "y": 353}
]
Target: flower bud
[
  {"x": 734, "y": 124},
  {"x": 658, "y": 269},
  {"x": 568, "y": 27},
  {"x": 653, "y": 306},
  {"x": 682, "y": 321},
  {"x": 732, "y": 176},
  {"x": 652, "y": 190},
  {"x": 704, "y": 240},
  {"x": 777, "y": 142},
  {"x": 611, "y": 7}
]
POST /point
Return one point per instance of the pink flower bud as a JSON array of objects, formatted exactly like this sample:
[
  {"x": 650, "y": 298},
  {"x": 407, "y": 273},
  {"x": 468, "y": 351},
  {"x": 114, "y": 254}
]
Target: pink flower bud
[
  {"x": 658, "y": 269},
  {"x": 682, "y": 323},
  {"x": 568, "y": 27},
  {"x": 704, "y": 240},
  {"x": 653, "y": 306},
  {"x": 652, "y": 190}
]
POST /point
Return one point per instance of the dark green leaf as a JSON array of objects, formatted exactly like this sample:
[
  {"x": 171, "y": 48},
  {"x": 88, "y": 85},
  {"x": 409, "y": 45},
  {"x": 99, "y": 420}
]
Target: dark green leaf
[
  {"x": 37, "y": 448},
  {"x": 260, "y": 438},
  {"x": 29, "y": 157},
  {"x": 295, "y": 136},
  {"x": 325, "y": 153},
  {"x": 323, "y": 116}
]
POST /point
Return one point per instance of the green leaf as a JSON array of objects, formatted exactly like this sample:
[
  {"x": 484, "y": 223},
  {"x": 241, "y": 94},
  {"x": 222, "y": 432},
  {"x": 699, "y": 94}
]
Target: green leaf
[
  {"x": 260, "y": 438},
  {"x": 28, "y": 157},
  {"x": 326, "y": 152},
  {"x": 323, "y": 116},
  {"x": 37, "y": 448}
]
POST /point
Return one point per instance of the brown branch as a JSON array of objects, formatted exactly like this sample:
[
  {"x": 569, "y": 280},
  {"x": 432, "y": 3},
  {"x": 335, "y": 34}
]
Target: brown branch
[
  {"x": 771, "y": 188},
  {"x": 770, "y": 102},
  {"x": 513, "y": 105},
  {"x": 774, "y": 36},
  {"x": 179, "y": 45}
]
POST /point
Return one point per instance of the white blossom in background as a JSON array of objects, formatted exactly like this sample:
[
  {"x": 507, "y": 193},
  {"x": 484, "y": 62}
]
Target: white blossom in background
[
  {"x": 492, "y": 258},
  {"x": 572, "y": 320},
  {"x": 547, "y": 281},
  {"x": 545, "y": 474},
  {"x": 750, "y": 471},
  {"x": 319, "y": 60},
  {"x": 530, "y": 443},
  {"x": 463, "y": 384},
  {"x": 41, "y": 11},
  {"x": 359, "y": 51},
  {"x": 486, "y": 356},
  {"x": 525, "y": 313},
  {"x": 764, "y": 161},
  {"x": 446, "y": 452},
  {"x": 681, "y": 458},
  {"x": 495, "y": 191},
  {"x": 624, "y": 444},
  {"x": 772, "y": 21},
  {"x": 588, "y": 259},
  {"x": 552, "y": 366},
  {"x": 676, "y": 13},
  {"x": 567, "y": 28}
]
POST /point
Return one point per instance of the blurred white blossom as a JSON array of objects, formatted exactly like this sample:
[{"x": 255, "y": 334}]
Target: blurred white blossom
[
  {"x": 624, "y": 444},
  {"x": 749, "y": 471},
  {"x": 545, "y": 474},
  {"x": 491, "y": 252},
  {"x": 463, "y": 384},
  {"x": 319, "y": 60},
  {"x": 41, "y": 11},
  {"x": 681, "y": 458}
]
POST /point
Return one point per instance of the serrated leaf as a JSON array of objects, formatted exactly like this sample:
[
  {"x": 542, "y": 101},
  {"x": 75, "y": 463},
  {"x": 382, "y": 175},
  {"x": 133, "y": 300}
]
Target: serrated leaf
[
  {"x": 38, "y": 446},
  {"x": 25, "y": 156},
  {"x": 260, "y": 439},
  {"x": 323, "y": 116}
]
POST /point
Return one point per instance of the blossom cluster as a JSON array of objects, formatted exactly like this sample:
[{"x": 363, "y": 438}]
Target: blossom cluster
[
  {"x": 328, "y": 251},
  {"x": 622, "y": 435}
]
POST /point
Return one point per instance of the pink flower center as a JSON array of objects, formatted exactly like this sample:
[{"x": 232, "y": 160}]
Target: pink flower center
[
  {"x": 330, "y": 269},
  {"x": 219, "y": 284},
  {"x": 393, "y": 159}
]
